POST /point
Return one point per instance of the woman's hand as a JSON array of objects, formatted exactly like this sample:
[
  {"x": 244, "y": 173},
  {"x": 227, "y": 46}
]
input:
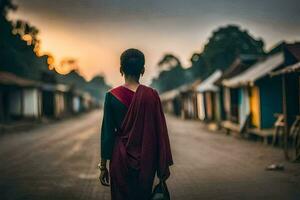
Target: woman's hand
[{"x": 104, "y": 176}]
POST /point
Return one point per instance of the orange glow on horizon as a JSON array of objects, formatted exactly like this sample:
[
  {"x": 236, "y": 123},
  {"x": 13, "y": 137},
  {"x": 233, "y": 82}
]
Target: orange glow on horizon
[
  {"x": 27, "y": 38},
  {"x": 62, "y": 70}
]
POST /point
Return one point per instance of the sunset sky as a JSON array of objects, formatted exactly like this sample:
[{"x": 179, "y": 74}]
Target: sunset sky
[{"x": 95, "y": 32}]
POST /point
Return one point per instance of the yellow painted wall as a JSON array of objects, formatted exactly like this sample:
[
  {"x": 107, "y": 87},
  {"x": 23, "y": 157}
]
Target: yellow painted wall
[{"x": 255, "y": 106}]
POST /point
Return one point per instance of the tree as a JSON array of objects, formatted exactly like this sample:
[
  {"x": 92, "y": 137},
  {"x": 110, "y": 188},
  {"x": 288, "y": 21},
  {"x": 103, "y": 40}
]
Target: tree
[
  {"x": 5, "y": 6},
  {"x": 169, "y": 61},
  {"x": 226, "y": 43},
  {"x": 19, "y": 53},
  {"x": 198, "y": 67},
  {"x": 97, "y": 86},
  {"x": 27, "y": 32},
  {"x": 169, "y": 77},
  {"x": 17, "y": 56}
]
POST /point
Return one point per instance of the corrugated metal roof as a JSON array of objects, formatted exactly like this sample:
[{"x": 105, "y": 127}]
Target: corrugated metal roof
[
  {"x": 240, "y": 64},
  {"x": 289, "y": 69},
  {"x": 7, "y": 78},
  {"x": 256, "y": 72},
  {"x": 55, "y": 87},
  {"x": 169, "y": 95},
  {"x": 295, "y": 50},
  {"x": 208, "y": 84},
  {"x": 62, "y": 87}
]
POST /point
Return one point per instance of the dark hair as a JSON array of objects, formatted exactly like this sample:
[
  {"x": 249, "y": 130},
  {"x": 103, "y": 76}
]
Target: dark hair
[{"x": 132, "y": 62}]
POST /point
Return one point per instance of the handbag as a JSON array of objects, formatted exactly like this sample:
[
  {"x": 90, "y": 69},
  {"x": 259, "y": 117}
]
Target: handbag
[{"x": 161, "y": 192}]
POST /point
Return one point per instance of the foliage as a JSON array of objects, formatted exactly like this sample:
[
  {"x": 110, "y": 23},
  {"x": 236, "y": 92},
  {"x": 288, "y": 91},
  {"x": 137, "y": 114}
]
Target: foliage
[
  {"x": 225, "y": 44},
  {"x": 5, "y": 6},
  {"x": 19, "y": 53},
  {"x": 96, "y": 87},
  {"x": 27, "y": 32},
  {"x": 17, "y": 56},
  {"x": 171, "y": 77},
  {"x": 169, "y": 61}
]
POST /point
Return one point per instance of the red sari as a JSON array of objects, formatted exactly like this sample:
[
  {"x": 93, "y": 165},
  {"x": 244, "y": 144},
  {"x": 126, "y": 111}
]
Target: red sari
[{"x": 141, "y": 147}]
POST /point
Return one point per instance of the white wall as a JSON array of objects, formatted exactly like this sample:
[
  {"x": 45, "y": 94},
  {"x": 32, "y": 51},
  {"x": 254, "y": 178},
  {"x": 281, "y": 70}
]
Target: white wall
[
  {"x": 31, "y": 103},
  {"x": 169, "y": 107},
  {"x": 190, "y": 107},
  {"x": 244, "y": 107},
  {"x": 76, "y": 104},
  {"x": 200, "y": 105},
  {"x": 59, "y": 104}
]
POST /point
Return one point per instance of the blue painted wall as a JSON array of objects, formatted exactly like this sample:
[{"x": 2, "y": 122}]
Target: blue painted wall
[
  {"x": 292, "y": 96},
  {"x": 270, "y": 90}
]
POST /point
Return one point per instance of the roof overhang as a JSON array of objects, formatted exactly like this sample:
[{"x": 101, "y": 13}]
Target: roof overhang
[
  {"x": 288, "y": 69},
  {"x": 7, "y": 78},
  {"x": 208, "y": 84},
  {"x": 255, "y": 72}
]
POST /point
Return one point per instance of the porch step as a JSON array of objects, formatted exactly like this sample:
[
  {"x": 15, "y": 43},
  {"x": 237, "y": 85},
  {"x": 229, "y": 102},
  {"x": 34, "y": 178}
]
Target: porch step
[
  {"x": 230, "y": 127},
  {"x": 263, "y": 133}
]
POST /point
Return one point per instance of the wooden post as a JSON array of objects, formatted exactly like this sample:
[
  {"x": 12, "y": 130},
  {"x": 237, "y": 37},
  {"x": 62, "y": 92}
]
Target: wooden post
[
  {"x": 284, "y": 109},
  {"x": 22, "y": 102},
  {"x": 1, "y": 107}
]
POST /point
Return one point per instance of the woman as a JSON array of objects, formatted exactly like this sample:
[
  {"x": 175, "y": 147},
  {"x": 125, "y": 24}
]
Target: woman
[{"x": 134, "y": 135}]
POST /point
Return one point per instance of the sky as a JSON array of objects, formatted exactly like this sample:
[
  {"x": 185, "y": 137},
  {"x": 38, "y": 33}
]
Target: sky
[{"x": 96, "y": 32}]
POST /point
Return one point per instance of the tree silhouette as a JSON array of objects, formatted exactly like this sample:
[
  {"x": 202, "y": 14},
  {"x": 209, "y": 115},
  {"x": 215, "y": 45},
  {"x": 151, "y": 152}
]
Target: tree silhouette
[
  {"x": 6, "y": 6},
  {"x": 169, "y": 61},
  {"x": 169, "y": 76},
  {"x": 226, "y": 43},
  {"x": 19, "y": 53},
  {"x": 198, "y": 69},
  {"x": 27, "y": 32},
  {"x": 96, "y": 86}
]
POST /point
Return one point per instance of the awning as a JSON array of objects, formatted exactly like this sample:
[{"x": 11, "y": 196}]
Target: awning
[
  {"x": 169, "y": 95},
  {"x": 208, "y": 84},
  {"x": 256, "y": 72},
  {"x": 289, "y": 69},
  {"x": 7, "y": 78},
  {"x": 62, "y": 87},
  {"x": 55, "y": 87}
]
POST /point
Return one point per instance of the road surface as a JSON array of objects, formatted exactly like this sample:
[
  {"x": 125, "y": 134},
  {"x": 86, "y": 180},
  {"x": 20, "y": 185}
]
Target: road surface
[{"x": 58, "y": 161}]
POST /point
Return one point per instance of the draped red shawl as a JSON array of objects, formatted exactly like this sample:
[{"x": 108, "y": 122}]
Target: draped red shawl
[{"x": 142, "y": 144}]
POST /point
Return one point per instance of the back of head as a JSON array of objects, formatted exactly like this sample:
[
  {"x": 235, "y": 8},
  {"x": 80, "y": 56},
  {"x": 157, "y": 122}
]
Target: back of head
[{"x": 132, "y": 62}]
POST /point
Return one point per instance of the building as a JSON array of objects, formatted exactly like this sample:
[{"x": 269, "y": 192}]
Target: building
[
  {"x": 55, "y": 101},
  {"x": 228, "y": 96},
  {"x": 76, "y": 105},
  {"x": 188, "y": 100},
  {"x": 255, "y": 96},
  {"x": 87, "y": 101},
  {"x": 181, "y": 101},
  {"x": 19, "y": 98},
  {"x": 290, "y": 135},
  {"x": 209, "y": 99},
  {"x": 170, "y": 102}
]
